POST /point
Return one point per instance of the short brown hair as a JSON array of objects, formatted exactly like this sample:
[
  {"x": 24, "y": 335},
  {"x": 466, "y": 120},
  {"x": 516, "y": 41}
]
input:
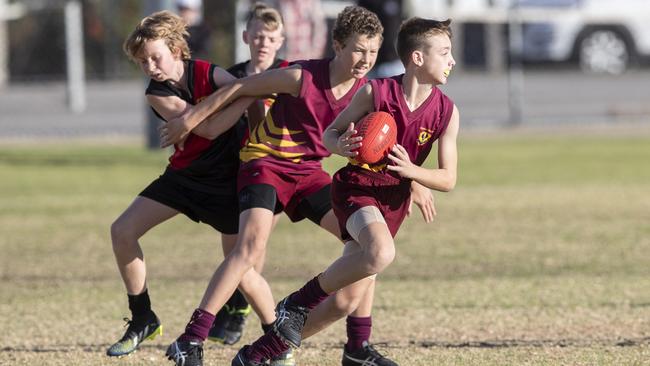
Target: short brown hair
[
  {"x": 356, "y": 20},
  {"x": 160, "y": 25},
  {"x": 414, "y": 32},
  {"x": 269, "y": 16}
]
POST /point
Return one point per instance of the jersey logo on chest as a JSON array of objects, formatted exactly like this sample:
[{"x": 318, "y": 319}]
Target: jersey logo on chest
[{"x": 424, "y": 136}]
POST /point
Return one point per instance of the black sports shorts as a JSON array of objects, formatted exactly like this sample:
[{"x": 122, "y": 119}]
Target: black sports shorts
[
  {"x": 313, "y": 206},
  {"x": 218, "y": 208}
]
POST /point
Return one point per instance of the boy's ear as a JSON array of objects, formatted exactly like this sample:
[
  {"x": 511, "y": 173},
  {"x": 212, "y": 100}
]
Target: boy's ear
[
  {"x": 176, "y": 52},
  {"x": 244, "y": 36},
  {"x": 417, "y": 57},
  {"x": 337, "y": 46}
]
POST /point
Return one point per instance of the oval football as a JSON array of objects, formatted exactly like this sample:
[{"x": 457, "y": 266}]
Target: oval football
[{"x": 379, "y": 133}]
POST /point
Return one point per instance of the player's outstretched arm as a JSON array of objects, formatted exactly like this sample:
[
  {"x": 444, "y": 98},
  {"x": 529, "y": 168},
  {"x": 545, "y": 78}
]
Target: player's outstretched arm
[
  {"x": 338, "y": 135},
  {"x": 441, "y": 179},
  {"x": 176, "y": 130},
  {"x": 214, "y": 125},
  {"x": 286, "y": 80}
]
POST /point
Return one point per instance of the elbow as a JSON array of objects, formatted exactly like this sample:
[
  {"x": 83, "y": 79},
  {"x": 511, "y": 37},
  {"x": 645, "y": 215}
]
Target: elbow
[
  {"x": 329, "y": 142},
  {"x": 448, "y": 185},
  {"x": 211, "y": 134}
]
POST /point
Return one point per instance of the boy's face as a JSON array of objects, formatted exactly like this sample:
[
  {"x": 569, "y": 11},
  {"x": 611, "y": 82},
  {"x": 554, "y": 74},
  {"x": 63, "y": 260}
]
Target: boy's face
[
  {"x": 437, "y": 58},
  {"x": 157, "y": 60},
  {"x": 262, "y": 42},
  {"x": 359, "y": 53}
]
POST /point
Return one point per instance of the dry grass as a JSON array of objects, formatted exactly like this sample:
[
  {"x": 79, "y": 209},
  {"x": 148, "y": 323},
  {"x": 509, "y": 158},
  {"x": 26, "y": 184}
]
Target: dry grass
[{"x": 537, "y": 258}]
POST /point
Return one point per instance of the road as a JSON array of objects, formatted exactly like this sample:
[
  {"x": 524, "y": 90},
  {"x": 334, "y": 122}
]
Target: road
[{"x": 116, "y": 110}]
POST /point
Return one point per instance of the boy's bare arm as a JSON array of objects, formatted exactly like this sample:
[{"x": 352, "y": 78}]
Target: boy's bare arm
[
  {"x": 286, "y": 80},
  {"x": 441, "y": 179},
  {"x": 338, "y": 135},
  {"x": 216, "y": 124}
]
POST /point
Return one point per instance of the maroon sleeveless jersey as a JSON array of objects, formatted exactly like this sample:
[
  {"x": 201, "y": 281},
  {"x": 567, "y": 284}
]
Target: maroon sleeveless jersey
[
  {"x": 292, "y": 130},
  {"x": 203, "y": 164},
  {"x": 416, "y": 130}
]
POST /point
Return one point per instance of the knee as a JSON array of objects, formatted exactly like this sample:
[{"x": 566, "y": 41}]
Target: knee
[
  {"x": 122, "y": 234},
  {"x": 250, "y": 250},
  {"x": 380, "y": 258}
]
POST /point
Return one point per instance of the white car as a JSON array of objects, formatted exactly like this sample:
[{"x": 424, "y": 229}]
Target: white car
[{"x": 602, "y": 35}]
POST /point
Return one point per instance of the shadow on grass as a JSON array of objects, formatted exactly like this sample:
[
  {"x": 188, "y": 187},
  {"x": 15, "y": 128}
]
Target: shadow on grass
[
  {"x": 63, "y": 348},
  {"x": 513, "y": 343},
  {"x": 13, "y": 159}
]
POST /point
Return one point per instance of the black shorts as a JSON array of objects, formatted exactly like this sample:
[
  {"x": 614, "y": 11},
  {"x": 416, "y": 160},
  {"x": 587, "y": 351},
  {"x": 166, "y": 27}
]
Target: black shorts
[
  {"x": 313, "y": 206},
  {"x": 218, "y": 208}
]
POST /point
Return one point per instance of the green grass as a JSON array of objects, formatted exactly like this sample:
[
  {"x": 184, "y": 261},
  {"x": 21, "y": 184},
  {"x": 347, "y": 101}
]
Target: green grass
[{"x": 538, "y": 257}]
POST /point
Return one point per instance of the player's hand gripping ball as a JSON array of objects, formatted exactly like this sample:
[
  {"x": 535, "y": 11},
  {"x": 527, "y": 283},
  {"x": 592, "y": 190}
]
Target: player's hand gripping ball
[{"x": 379, "y": 133}]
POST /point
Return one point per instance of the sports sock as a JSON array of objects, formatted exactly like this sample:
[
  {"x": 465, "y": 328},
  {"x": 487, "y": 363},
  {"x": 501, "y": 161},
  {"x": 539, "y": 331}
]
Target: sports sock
[
  {"x": 358, "y": 329},
  {"x": 237, "y": 301},
  {"x": 140, "y": 305},
  {"x": 198, "y": 327},
  {"x": 310, "y": 295},
  {"x": 266, "y": 347}
]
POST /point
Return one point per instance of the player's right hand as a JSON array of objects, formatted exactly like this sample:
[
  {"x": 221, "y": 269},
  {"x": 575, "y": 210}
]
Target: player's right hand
[
  {"x": 174, "y": 132},
  {"x": 347, "y": 143}
]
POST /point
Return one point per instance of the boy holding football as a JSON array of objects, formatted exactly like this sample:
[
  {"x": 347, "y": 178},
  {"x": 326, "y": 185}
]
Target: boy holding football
[{"x": 371, "y": 200}]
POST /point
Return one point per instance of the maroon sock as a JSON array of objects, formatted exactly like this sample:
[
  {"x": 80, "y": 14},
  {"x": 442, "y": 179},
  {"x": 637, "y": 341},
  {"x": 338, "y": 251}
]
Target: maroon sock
[
  {"x": 310, "y": 295},
  {"x": 198, "y": 327},
  {"x": 265, "y": 348},
  {"x": 358, "y": 332}
]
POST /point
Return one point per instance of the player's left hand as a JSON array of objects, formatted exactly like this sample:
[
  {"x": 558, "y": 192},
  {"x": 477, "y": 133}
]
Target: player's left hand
[
  {"x": 174, "y": 132},
  {"x": 423, "y": 198},
  {"x": 402, "y": 164}
]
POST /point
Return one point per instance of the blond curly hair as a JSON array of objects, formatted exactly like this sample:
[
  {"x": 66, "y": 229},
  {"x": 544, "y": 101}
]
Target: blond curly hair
[{"x": 160, "y": 25}]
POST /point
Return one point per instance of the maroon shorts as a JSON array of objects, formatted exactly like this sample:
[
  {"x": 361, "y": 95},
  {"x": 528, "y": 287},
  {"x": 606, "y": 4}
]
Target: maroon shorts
[
  {"x": 354, "y": 188},
  {"x": 293, "y": 183}
]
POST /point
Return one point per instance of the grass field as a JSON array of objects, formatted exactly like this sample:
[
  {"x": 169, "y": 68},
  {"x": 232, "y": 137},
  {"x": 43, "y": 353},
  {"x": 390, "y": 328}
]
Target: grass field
[{"x": 538, "y": 257}]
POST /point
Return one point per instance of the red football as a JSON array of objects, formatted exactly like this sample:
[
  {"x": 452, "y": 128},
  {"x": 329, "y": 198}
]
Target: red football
[{"x": 379, "y": 133}]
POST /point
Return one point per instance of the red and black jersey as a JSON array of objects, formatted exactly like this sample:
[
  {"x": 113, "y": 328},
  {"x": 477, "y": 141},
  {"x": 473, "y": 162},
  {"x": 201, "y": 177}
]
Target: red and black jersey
[{"x": 203, "y": 164}]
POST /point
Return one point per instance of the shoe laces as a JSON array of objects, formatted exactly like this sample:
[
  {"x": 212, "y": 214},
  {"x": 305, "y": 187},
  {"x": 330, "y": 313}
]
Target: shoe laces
[
  {"x": 131, "y": 326},
  {"x": 292, "y": 314},
  {"x": 192, "y": 352}
]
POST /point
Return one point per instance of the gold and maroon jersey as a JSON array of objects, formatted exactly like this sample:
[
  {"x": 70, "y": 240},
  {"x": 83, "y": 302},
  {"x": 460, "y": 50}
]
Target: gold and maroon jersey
[
  {"x": 293, "y": 128},
  {"x": 416, "y": 130}
]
